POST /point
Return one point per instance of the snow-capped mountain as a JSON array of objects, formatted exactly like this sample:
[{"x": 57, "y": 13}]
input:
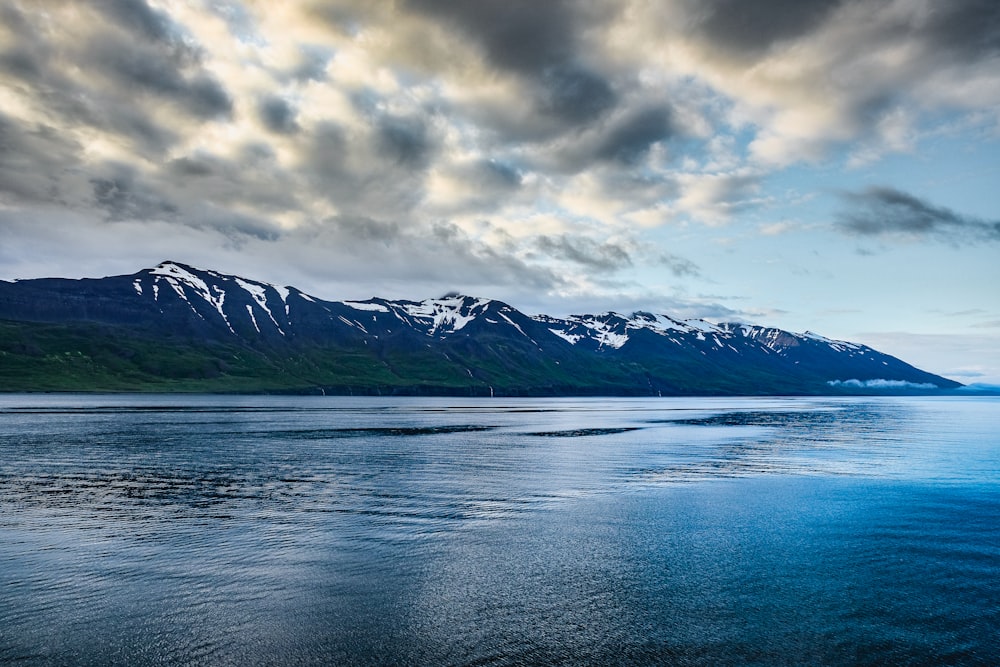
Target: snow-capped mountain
[
  {"x": 613, "y": 330},
  {"x": 282, "y": 338}
]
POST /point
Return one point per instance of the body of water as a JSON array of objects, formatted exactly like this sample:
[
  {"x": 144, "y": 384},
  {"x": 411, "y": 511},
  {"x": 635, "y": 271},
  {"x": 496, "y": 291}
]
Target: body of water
[{"x": 310, "y": 530}]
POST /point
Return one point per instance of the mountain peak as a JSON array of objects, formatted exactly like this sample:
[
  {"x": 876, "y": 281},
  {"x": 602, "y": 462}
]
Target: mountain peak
[
  {"x": 170, "y": 265},
  {"x": 176, "y": 272},
  {"x": 448, "y": 313}
]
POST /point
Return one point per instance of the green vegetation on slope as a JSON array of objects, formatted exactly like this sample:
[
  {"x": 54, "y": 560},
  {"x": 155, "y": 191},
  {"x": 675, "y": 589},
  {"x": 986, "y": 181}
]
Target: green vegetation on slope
[
  {"x": 91, "y": 357},
  {"x": 99, "y": 358}
]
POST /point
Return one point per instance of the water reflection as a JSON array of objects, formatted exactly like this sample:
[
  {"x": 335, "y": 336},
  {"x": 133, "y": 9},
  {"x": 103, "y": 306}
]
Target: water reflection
[
  {"x": 412, "y": 460},
  {"x": 243, "y": 530}
]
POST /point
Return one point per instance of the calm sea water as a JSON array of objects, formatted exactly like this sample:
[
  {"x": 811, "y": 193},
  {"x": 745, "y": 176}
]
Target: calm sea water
[{"x": 262, "y": 530}]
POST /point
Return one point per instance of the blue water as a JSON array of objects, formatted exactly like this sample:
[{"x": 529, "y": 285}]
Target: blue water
[{"x": 276, "y": 530}]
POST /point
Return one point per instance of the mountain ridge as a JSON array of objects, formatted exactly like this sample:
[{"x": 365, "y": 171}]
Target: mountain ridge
[{"x": 241, "y": 334}]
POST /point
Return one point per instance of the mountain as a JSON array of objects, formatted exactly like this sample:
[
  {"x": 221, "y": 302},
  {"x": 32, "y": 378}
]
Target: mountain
[{"x": 178, "y": 328}]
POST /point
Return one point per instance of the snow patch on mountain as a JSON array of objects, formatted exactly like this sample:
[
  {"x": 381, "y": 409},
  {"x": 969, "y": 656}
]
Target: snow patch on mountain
[
  {"x": 252, "y": 318},
  {"x": 177, "y": 288},
  {"x": 178, "y": 278},
  {"x": 657, "y": 323},
  {"x": 702, "y": 325},
  {"x": 572, "y": 339},
  {"x": 259, "y": 293},
  {"x": 218, "y": 301},
  {"x": 839, "y": 345},
  {"x": 447, "y": 314},
  {"x": 613, "y": 329},
  {"x": 609, "y": 329},
  {"x": 517, "y": 326},
  {"x": 365, "y": 305},
  {"x": 182, "y": 279}
]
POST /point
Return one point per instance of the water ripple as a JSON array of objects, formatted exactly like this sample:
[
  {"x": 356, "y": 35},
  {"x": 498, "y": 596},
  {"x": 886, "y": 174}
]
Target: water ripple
[{"x": 214, "y": 530}]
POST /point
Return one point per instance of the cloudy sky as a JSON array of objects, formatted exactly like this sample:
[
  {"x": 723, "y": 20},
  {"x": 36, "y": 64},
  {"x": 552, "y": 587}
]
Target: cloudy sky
[{"x": 831, "y": 165}]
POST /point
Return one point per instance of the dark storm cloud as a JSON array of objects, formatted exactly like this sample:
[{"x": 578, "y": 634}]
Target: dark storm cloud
[
  {"x": 631, "y": 139},
  {"x": 238, "y": 228},
  {"x": 231, "y": 197},
  {"x": 496, "y": 176},
  {"x": 312, "y": 66},
  {"x": 139, "y": 17},
  {"x": 524, "y": 36},
  {"x": 967, "y": 27},
  {"x": 146, "y": 54},
  {"x": 78, "y": 106},
  {"x": 25, "y": 59},
  {"x": 71, "y": 100},
  {"x": 13, "y": 17},
  {"x": 586, "y": 252},
  {"x": 161, "y": 72},
  {"x": 207, "y": 97},
  {"x": 416, "y": 253},
  {"x": 327, "y": 151},
  {"x": 617, "y": 146},
  {"x": 478, "y": 186},
  {"x": 376, "y": 171},
  {"x": 124, "y": 197},
  {"x": 277, "y": 115},
  {"x": 20, "y": 63},
  {"x": 361, "y": 228},
  {"x": 140, "y": 49},
  {"x": 491, "y": 266},
  {"x": 34, "y": 161},
  {"x": 609, "y": 256},
  {"x": 404, "y": 140},
  {"x": 26, "y": 55},
  {"x": 884, "y": 211},
  {"x": 252, "y": 178},
  {"x": 573, "y": 93},
  {"x": 752, "y": 27},
  {"x": 876, "y": 63},
  {"x": 191, "y": 167},
  {"x": 128, "y": 196},
  {"x": 150, "y": 138},
  {"x": 538, "y": 41}
]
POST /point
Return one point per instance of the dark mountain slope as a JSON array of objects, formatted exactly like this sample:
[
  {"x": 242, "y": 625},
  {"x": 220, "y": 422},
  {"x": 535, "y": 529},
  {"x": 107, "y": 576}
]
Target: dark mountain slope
[{"x": 177, "y": 328}]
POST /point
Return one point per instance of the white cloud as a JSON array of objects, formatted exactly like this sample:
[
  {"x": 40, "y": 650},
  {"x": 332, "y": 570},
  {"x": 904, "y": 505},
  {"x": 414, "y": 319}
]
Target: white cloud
[{"x": 881, "y": 384}]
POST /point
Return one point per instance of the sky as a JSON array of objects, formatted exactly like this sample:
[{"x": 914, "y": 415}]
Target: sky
[{"x": 822, "y": 165}]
